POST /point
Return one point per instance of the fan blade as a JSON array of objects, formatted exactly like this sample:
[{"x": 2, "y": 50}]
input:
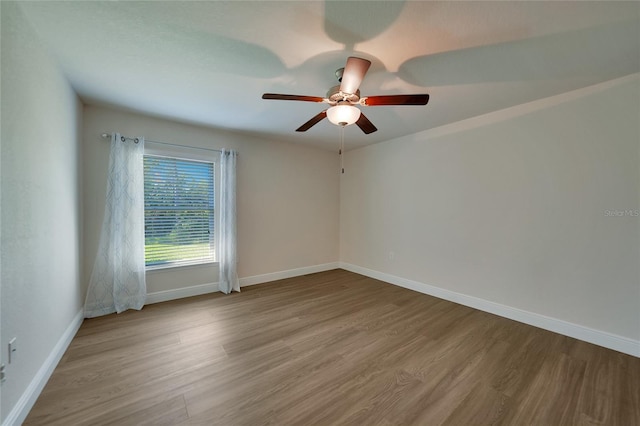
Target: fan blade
[
  {"x": 396, "y": 100},
  {"x": 353, "y": 74},
  {"x": 315, "y": 120},
  {"x": 277, "y": 96},
  {"x": 365, "y": 125}
]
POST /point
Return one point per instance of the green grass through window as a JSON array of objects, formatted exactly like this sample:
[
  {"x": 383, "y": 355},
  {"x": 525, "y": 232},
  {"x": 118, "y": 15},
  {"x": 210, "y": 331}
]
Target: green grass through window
[{"x": 158, "y": 254}]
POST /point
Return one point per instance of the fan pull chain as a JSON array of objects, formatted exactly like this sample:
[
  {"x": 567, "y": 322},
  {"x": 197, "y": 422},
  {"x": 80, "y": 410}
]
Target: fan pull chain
[{"x": 342, "y": 148}]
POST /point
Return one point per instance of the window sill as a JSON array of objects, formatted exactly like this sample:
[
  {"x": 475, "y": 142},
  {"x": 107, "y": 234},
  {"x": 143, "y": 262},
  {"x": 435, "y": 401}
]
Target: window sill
[{"x": 164, "y": 268}]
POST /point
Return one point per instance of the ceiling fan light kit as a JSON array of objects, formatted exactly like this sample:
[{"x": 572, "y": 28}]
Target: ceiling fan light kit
[
  {"x": 343, "y": 114},
  {"x": 344, "y": 98}
]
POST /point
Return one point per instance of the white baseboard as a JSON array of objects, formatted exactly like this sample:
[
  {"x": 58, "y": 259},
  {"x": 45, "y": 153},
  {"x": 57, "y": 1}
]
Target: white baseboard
[
  {"x": 600, "y": 338},
  {"x": 273, "y": 276},
  {"x": 179, "y": 293},
  {"x": 197, "y": 290},
  {"x": 20, "y": 411}
]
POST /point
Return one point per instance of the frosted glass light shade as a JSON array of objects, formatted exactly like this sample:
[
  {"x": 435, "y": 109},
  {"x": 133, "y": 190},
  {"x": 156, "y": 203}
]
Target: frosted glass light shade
[{"x": 343, "y": 115}]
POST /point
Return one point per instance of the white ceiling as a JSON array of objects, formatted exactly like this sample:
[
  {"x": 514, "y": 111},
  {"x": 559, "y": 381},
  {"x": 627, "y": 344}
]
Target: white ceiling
[{"x": 209, "y": 62}]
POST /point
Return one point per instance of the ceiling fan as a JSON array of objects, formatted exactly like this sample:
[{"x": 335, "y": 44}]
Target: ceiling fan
[{"x": 344, "y": 98}]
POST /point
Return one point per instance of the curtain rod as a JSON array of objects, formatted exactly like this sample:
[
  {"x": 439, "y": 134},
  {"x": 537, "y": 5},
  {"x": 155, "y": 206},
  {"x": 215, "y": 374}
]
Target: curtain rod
[{"x": 108, "y": 136}]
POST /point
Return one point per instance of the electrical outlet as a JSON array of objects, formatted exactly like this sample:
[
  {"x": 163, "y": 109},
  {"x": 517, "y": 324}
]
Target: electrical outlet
[{"x": 13, "y": 348}]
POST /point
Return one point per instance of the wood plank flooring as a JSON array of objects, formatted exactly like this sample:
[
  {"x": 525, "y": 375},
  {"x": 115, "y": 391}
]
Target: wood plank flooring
[{"x": 332, "y": 348}]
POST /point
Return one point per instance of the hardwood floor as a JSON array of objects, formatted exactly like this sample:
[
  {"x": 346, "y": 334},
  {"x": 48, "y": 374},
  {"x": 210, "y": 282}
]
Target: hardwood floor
[{"x": 332, "y": 348}]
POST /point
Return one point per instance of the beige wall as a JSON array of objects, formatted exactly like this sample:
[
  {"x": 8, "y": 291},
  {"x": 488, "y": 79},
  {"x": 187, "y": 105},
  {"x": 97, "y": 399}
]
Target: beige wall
[
  {"x": 287, "y": 197},
  {"x": 511, "y": 208},
  {"x": 40, "y": 201}
]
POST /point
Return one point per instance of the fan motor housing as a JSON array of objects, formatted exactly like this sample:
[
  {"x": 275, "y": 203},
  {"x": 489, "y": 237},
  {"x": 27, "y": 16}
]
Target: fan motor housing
[{"x": 335, "y": 95}]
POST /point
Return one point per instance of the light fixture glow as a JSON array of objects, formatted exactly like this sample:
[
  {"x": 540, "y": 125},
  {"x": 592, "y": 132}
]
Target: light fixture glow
[{"x": 343, "y": 114}]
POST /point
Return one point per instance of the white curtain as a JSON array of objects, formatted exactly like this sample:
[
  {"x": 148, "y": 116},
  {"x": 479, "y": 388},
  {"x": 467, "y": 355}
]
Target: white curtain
[
  {"x": 228, "y": 280},
  {"x": 118, "y": 278}
]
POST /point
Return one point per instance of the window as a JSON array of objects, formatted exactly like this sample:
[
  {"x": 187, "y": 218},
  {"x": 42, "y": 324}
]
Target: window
[{"x": 179, "y": 217}]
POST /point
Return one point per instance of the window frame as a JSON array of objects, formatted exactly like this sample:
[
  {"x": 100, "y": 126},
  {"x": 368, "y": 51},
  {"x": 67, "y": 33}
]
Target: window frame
[{"x": 191, "y": 154}]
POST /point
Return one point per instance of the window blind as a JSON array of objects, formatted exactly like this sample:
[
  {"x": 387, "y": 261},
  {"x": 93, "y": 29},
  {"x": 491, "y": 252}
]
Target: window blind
[{"x": 178, "y": 211}]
